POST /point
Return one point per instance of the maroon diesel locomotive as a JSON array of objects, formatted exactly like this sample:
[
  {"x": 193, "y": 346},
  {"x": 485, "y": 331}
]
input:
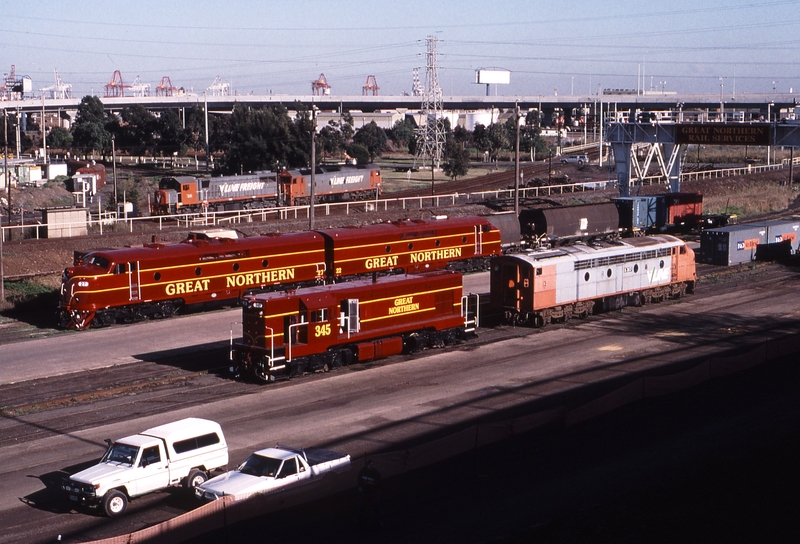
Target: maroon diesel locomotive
[
  {"x": 286, "y": 334},
  {"x": 157, "y": 280}
]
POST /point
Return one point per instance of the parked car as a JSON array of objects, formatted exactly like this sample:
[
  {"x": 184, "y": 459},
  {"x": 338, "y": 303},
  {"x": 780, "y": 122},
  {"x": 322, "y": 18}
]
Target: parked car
[
  {"x": 183, "y": 452},
  {"x": 273, "y": 469},
  {"x": 580, "y": 160}
]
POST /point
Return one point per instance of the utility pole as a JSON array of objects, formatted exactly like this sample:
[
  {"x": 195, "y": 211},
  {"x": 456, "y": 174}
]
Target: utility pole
[
  {"x": 2, "y": 272},
  {"x": 313, "y": 167},
  {"x": 5, "y": 161},
  {"x": 114, "y": 170},
  {"x": 516, "y": 162},
  {"x": 205, "y": 112},
  {"x": 44, "y": 132},
  {"x": 8, "y": 184}
]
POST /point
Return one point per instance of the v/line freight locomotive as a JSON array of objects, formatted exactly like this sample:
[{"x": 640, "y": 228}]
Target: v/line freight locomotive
[
  {"x": 287, "y": 334},
  {"x": 157, "y": 280},
  {"x": 333, "y": 183}
]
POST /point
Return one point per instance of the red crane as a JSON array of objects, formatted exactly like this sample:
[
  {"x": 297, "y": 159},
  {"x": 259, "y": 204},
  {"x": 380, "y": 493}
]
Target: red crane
[
  {"x": 370, "y": 87},
  {"x": 320, "y": 87},
  {"x": 165, "y": 88},
  {"x": 116, "y": 87}
]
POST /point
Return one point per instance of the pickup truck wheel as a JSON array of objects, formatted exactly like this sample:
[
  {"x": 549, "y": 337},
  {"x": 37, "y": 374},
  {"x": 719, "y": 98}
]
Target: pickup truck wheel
[
  {"x": 195, "y": 478},
  {"x": 115, "y": 503}
]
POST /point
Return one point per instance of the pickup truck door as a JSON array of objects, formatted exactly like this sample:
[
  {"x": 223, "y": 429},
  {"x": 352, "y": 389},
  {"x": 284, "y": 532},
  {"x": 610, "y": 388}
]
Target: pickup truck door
[
  {"x": 152, "y": 471},
  {"x": 290, "y": 474}
]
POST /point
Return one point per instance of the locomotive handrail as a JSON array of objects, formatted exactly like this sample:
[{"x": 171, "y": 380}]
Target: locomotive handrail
[
  {"x": 289, "y": 340},
  {"x": 230, "y": 353},
  {"x": 475, "y": 323}
]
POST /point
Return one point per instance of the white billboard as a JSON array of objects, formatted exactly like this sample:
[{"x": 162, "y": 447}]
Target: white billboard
[{"x": 492, "y": 76}]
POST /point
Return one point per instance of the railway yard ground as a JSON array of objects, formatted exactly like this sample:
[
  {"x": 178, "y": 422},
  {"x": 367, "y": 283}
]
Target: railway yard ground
[{"x": 713, "y": 463}]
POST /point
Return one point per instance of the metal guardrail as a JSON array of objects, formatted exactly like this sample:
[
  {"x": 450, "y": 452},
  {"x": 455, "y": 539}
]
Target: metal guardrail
[{"x": 103, "y": 221}]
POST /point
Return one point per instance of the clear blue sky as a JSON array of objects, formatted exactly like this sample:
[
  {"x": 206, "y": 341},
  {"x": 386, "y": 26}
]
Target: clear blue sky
[{"x": 280, "y": 46}]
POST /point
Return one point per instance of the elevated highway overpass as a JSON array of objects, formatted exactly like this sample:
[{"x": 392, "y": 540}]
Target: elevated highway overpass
[{"x": 650, "y": 101}]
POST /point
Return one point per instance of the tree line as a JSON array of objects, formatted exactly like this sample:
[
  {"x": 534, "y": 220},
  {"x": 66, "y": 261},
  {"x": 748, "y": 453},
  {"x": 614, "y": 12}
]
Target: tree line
[{"x": 268, "y": 138}]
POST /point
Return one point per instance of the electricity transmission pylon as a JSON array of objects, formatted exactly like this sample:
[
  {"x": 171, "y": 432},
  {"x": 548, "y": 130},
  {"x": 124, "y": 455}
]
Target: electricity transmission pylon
[{"x": 430, "y": 136}]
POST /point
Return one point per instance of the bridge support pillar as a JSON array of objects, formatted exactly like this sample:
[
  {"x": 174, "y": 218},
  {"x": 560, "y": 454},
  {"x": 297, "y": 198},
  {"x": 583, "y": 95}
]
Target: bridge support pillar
[
  {"x": 622, "y": 163},
  {"x": 673, "y": 154}
]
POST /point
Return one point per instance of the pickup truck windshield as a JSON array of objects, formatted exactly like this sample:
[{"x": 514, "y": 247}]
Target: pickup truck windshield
[
  {"x": 256, "y": 465},
  {"x": 121, "y": 453}
]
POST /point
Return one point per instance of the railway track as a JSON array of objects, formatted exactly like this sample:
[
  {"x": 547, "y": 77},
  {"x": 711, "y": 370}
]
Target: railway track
[
  {"x": 83, "y": 400},
  {"x": 74, "y": 402}
]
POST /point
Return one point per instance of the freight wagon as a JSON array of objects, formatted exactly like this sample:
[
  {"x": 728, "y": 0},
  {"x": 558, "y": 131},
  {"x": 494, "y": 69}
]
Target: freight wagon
[
  {"x": 539, "y": 287},
  {"x": 319, "y": 328},
  {"x": 737, "y": 244},
  {"x": 560, "y": 225}
]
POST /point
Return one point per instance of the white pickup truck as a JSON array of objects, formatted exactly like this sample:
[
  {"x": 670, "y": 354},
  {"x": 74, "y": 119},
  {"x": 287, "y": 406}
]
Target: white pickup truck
[
  {"x": 274, "y": 469},
  {"x": 184, "y": 453}
]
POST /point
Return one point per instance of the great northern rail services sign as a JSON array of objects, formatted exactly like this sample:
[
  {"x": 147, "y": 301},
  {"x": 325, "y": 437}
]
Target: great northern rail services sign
[{"x": 723, "y": 133}]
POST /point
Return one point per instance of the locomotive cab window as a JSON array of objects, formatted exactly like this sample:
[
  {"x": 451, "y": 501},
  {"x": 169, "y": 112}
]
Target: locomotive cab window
[
  {"x": 538, "y": 271},
  {"x": 319, "y": 315},
  {"x": 119, "y": 268}
]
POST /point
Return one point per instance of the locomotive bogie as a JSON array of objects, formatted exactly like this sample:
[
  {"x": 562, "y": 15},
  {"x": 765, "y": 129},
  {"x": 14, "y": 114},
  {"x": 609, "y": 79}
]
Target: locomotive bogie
[
  {"x": 554, "y": 285},
  {"x": 319, "y": 328}
]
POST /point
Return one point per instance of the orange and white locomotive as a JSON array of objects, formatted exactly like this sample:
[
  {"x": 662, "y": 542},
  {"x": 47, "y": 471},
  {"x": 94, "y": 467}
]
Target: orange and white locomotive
[
  {"x": 539, "y": 287},
  {"x": 319, "y": 328}
]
